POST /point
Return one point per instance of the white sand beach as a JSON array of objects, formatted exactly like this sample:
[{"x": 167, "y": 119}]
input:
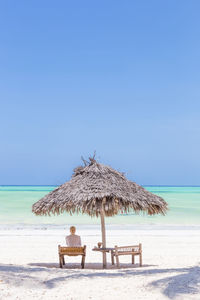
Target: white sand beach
[{"x": 29, "y": 266}]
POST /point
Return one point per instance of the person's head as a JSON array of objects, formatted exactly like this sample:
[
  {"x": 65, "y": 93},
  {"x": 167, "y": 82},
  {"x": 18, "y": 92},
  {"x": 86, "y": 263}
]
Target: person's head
[{"x": 73, "y": 229}]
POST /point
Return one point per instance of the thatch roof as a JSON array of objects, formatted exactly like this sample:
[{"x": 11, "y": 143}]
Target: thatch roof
[{"x": 94, "y": 185}]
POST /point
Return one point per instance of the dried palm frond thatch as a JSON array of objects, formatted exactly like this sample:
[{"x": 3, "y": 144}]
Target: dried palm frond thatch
[{"x": 96, "y": 185}]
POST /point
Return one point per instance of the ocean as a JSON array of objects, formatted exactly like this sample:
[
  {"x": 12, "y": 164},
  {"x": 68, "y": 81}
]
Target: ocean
[{"x": 16, "y": 204}]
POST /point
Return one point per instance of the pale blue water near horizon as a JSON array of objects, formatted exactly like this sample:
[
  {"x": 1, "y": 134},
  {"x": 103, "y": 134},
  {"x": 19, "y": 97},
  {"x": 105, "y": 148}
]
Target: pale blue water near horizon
[{"x": 16, "y": 203}]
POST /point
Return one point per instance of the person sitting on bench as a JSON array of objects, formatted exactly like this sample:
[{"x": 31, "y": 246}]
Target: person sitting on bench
[{"x": 73, "y": 240}]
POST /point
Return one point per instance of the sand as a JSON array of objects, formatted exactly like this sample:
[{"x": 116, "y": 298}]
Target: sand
[{"x": 29, "y": 266}]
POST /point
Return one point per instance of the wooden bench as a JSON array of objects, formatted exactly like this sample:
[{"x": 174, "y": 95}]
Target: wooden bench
[
  {"x": 71, "y": 251},
  {"x": 127, "y": 250}
]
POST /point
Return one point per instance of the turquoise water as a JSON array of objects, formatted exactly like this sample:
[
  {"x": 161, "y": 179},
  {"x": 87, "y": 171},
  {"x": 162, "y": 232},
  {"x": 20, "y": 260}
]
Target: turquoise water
[{"x": 16, "y": 203}]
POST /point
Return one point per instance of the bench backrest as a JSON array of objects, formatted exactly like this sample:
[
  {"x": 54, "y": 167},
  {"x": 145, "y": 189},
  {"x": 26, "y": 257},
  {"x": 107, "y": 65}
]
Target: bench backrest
[
  {"x": 72, "y": 250},
  {"x": 129, "y": 249}
]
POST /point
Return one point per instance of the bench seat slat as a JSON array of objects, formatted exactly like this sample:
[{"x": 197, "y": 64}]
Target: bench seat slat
[
  {"x": 128, "y": 253},
  {"x": 135, "y": 246}
]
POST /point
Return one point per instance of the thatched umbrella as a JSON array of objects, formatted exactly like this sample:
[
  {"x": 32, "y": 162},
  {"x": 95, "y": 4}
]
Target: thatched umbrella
[{"x": 99, "y": 190}]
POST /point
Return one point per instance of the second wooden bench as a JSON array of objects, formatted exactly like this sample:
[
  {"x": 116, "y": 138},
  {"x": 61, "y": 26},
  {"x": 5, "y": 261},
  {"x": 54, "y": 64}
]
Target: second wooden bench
[{"x": 135, "y": 250}]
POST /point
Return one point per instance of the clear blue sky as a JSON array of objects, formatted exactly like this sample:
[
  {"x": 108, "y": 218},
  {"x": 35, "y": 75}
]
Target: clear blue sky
[{"x": 118, "y": 77}]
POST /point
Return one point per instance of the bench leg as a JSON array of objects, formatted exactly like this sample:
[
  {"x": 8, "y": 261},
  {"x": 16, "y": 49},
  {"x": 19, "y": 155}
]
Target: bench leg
[
  {"x": 133, "y": 259},
  {"x": 140, "y": 259},
  {"x": 117, "y": 260},
  {"x": 112, "y": 258},
  {"x": 63, "y": 260},
  {"x": 83, "y": 262},
  {"x": 60, "y": 261}
]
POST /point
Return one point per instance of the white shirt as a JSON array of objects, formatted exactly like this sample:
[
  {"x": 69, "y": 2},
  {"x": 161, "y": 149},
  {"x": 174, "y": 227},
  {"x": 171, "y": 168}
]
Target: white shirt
[{"x": 73, "y": 240}]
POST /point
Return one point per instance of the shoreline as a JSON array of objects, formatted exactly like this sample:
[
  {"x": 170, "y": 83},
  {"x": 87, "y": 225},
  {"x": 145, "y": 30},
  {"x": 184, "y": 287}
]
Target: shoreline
[{"x": 94, "y": 227}]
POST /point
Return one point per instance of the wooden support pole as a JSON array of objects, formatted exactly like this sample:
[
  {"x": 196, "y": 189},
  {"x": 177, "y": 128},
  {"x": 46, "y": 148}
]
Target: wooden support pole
[
  {"x": 140, "y": 249},
  {"x": 103, "y": 232}
]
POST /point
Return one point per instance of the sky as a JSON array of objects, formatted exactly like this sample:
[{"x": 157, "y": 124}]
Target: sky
[{"x": 118, "y": 77}]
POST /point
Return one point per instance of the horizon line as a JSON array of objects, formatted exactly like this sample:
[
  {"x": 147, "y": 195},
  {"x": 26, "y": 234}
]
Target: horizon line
[{"x": 148, "y": 185}]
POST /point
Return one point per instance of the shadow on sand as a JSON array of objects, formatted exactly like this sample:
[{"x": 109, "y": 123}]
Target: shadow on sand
[
  {"x": 88, "y": 266},
  {"x": 186, "y": 282}
]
